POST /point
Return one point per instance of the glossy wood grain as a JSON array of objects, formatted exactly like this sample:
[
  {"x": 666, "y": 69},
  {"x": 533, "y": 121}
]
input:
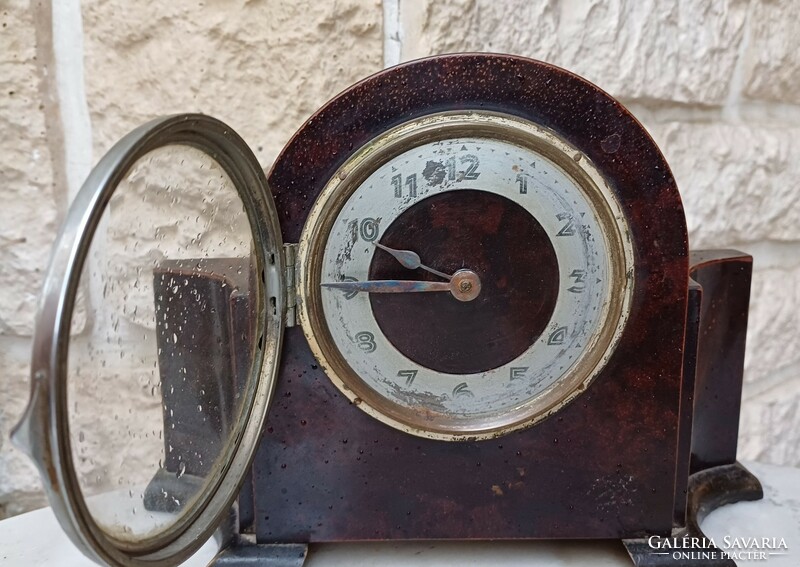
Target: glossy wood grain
[{"x": 604, "y": 466}]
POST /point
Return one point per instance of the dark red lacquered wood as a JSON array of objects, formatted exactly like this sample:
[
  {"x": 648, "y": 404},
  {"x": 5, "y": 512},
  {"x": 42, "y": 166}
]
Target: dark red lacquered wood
[
  {"x": 498, "y": 240},
  {"x": 687, "y": 401},
  {"x": 604, "y": 466},
  {"x": 725, "y": 276}
]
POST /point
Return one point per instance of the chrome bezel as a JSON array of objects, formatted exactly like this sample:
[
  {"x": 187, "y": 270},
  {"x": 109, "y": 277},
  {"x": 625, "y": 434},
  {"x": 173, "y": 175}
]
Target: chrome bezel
[
  {"x": 436, "y": 127},
  {"x": 43, "y": 431}
]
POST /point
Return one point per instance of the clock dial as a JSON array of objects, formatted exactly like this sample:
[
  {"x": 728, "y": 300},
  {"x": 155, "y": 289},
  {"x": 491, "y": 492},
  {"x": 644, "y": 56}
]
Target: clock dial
[
  {"x": 481, "y": 231},
  {"x": 465, "y": 283}
]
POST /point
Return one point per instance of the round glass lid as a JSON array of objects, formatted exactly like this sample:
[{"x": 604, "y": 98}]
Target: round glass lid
[{"x": 156, "y": 342}]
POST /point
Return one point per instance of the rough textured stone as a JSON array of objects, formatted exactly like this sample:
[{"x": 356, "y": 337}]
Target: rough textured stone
[
  {"x": 769, "y": 428},
  {"x": 772, "y": 57},
  {"x": 644, "y": 50},
  {"x": 738, "y": 183},
  {"x": 262, "y": 66},
  {"x": 20, "y": 488},
  {"x": 28, "y": 215},
  {"x": 773, "y": 341}
]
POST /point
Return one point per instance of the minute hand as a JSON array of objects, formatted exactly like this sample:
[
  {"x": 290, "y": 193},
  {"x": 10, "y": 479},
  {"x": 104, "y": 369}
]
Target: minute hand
[{"x": 390, "y": 286}]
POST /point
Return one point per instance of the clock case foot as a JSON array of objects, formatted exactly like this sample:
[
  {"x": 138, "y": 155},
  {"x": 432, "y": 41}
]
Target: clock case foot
[
  {"x": 708, "y": 490},
  {"x": 262, "y": 555}
]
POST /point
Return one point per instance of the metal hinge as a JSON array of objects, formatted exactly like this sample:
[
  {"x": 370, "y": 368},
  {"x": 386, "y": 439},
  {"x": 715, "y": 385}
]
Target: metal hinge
[{"x": 290, "y": 281}]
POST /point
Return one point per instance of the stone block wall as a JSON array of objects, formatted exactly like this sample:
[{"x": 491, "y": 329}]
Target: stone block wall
[{"x": 715, "y": 83}]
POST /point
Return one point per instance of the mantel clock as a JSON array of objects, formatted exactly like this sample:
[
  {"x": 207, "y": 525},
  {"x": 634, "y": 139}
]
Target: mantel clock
[{"x": 461, "y": 305}]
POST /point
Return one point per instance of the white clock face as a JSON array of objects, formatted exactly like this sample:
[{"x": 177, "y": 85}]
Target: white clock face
[{"x": 542, "y": 272}]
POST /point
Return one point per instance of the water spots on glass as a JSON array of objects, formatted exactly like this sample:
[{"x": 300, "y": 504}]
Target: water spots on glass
[{"x": 166, "y": 304}]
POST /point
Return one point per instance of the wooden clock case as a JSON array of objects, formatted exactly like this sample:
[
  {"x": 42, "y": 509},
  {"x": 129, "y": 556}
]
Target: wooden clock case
[{"x": 614, "y": 463}]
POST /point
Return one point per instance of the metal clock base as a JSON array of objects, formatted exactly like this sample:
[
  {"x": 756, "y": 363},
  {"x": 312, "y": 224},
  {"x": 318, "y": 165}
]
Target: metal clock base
[
  {"x": 262, "y": 555},
  {"x": 709, "y": 489}
]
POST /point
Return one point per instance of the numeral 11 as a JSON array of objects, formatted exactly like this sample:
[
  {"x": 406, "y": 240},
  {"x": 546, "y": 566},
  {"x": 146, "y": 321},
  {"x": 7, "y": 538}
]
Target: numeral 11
[{"x": 411, "y": 184}]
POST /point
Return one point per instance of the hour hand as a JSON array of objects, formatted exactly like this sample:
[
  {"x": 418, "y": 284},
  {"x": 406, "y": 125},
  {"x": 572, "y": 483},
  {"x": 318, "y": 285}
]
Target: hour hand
[
  {"x": 389, "y": 286},
  {"x": 410, "y": 260}
]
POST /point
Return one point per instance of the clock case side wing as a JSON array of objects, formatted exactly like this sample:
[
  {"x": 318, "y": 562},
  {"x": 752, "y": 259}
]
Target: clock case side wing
[
  {"x": 326, "y": 471},
  {"x": 716, "y": 329},
  {"x": 708, "y": 475}
]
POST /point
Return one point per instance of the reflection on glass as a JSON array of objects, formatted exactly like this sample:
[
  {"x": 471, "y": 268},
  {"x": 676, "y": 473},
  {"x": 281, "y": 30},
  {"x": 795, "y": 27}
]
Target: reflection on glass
[{"x": 159, "y": 368}]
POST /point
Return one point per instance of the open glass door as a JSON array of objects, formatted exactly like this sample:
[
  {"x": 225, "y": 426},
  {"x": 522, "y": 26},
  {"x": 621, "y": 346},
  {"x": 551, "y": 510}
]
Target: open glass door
[{"x": 157, "y": 342}]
